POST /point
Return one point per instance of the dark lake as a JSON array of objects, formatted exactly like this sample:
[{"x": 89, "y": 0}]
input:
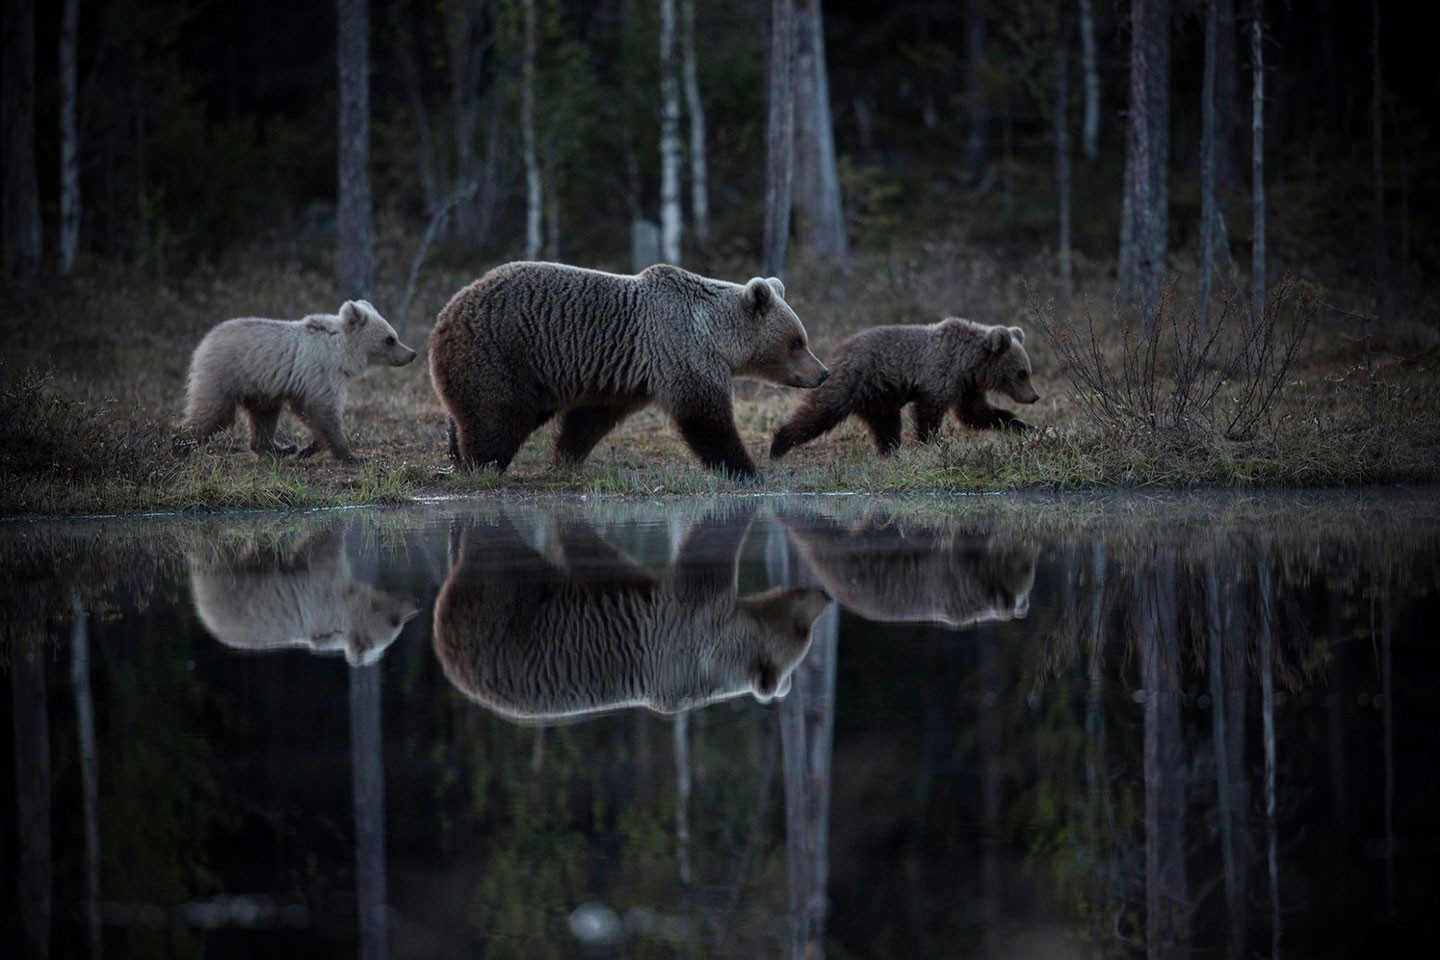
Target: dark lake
[{"x": 848, "y": 727}]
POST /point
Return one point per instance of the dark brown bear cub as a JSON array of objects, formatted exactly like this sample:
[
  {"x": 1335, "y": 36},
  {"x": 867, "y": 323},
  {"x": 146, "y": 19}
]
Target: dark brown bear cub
[
  {"x": 937, "y": 367},
  {"x": 528, "y": 341}
]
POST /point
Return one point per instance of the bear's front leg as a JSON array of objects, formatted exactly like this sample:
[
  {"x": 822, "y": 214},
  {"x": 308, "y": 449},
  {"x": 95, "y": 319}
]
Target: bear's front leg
[
  {"x": 325, "y": 425},
  {"x": 706, "y": 421},
  {"x": 978, "y": 413}
]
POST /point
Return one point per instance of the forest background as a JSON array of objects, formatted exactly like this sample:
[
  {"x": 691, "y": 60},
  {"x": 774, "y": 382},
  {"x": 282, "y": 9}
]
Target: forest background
[{"x": 1213, "y": 218}]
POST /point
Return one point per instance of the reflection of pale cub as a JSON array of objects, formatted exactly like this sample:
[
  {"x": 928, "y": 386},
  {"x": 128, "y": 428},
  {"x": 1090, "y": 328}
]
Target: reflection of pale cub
[
  {"x": 896, "y": 572},
  {"x": 302, "y": 598},
  {"x": 539, "y": 641}
]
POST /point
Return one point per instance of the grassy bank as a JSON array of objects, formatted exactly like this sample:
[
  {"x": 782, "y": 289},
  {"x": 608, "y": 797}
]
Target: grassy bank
[{"x": 92, "y": 384}]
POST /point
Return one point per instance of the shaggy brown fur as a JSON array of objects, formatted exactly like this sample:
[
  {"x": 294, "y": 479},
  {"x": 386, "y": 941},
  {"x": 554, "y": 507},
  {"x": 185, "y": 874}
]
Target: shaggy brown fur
[
  {"x": 528, "y": 341},
  {"x": 536, "y": 640},
  {"x": 892, "y": 572},
  {"x": 263, "y": 365},
  {"x": 937, "y": 367},
  {"x": 304, "y": 597}
]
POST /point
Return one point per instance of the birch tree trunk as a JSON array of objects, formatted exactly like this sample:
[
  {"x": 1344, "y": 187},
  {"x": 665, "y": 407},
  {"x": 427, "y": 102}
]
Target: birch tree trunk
[
  {"x": 355, "y": 228},
  {"x": 779, "y": 137},
  {"x": 670, "y": 160},
  {"x": 533, "y": 199},
  {"x": 1257, "y": 161},
  {"x": 699, "y": 174},
  {"x": 819, "y": 220},
  {"x": 69, "y": 140},
  {"x": 20, "y": 207},
  {"x": 1091, "y": 128}
]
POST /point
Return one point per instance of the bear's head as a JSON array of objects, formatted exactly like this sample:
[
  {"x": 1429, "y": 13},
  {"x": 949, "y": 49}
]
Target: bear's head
[
  {"x": 376, "y": 338},
  {"x": 784, "y": 617},
  {"x": 780, "y": 350},
  {"x": 376, "y": 619},
  {"x": 1010, "y": 364}
]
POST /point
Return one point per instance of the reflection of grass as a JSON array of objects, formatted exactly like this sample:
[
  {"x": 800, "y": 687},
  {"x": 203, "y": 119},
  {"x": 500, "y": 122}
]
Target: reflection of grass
[{"x": 88, "y": 428}]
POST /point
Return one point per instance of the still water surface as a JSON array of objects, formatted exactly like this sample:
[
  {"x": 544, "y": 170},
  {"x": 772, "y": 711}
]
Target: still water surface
[{"x": 809, "y": 727}]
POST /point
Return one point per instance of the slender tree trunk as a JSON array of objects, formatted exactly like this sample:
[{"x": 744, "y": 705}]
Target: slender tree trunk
[
  {"x": 551, "y": 184},
  {"x": 779, "y": 137},
  {"x": 670, "y": 159},
  {"x": 1208, "y": 124},
  {"x": 1137, "y": 270},
  {"x": 1377, "y": 156},
  {"x": 695, "y": 106},
  {"x": 1229, "y": 109},
  {"x": 424, "y": 150},
  {"x": 21, "y": 204},
  {"x": 1061, "y": 126},
  {"x": 467, "y": 60},
  {"x": 488, "y": 193},
  {"x": 142, "y": 175},
  {"x": 977, "y": 137},
  {"x": 533, "y": 199},
  {"x": 89, "y": 764},
  {"x": 1257, "y": 160},
  {"x": 819, "y": 221},
  {"x": 69, "y": 140},
  {"x": 1159, "y": 125},
  {"x": 355, "y": 216},
  {"x": 1091, "y": 135}
]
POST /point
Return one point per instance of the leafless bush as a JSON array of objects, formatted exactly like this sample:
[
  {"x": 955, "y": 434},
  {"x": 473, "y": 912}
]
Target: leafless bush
[{"x": 1174, "y": 373}]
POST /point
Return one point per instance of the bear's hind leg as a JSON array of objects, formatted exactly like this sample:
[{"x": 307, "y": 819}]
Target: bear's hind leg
[
  {"x": 494, "y": 440},
  {"x": 928, "y": 417},
  {"x": 884, "y": 429},
  {"x": 581, "y": 428},
  {"x": 264, "y": 416},
  {"x": 820, "y": 411},
  {"x": 204, "y": 419}
]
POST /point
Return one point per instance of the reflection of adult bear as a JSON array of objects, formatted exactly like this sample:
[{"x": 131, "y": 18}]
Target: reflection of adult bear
[
  {"x": 535, "y": 640},
  {"x": 530, "y": 340},
  {"x": 303, "y": 598},
  {"x": 892, "y": 572}
]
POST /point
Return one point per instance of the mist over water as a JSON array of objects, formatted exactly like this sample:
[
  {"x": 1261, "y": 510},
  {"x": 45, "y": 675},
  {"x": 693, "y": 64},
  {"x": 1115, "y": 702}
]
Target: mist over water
[{"x": 1196, "y": 725}]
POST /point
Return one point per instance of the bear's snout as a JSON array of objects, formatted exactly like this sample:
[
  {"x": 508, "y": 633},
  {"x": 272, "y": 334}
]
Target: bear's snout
[
  {"x": 824, "y": 374},
  {"x": 405, "y": 355}
]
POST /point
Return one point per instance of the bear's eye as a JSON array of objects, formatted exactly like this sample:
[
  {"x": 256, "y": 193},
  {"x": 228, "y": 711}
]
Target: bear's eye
[
  {"x": 390, "y": 341},
  {"x": 797, "y": 344},
  {"x": 1024, "y": 375}
]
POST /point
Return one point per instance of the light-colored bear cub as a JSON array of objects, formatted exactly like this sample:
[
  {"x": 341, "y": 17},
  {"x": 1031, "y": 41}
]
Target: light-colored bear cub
[{"x": 262, "y": 365}]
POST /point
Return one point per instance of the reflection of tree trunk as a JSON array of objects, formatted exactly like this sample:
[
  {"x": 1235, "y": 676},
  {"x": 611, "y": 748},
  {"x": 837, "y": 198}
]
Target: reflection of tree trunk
[
  {"x": 1227, "y": 679},
  {"x": 89, "y": 764},
  {"x": 368, "y": 773},
  {"x": 1267, "y": 707},
  {"x": 682, "y": 796},
  {"x": 806, "y": 734},
  {"x": 1387, "y": 708},
  {"x": 32, "y": 780},
  {"x": 1166, "y": 898},
  {"x": 990, "y": 746}
]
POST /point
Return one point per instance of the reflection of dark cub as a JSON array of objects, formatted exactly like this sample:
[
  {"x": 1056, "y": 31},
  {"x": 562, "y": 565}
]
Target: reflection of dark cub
[
  {"x": 305, "y": 597},
  {"x": 536, "y": 640},
  {"x": 888, "y": 572}
]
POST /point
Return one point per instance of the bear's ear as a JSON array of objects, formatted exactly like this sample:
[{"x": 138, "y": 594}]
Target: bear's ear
[
  {"x": 1018, "y": 334},
  {"x": 758, "y": 293},
  {"x": 997, "y": 339},
  {"x": 778, "y": 287},
  {"x": 351, "y": 314}
]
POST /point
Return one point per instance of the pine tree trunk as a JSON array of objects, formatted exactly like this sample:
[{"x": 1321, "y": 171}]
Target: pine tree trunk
[
  {"x": 69, "y": 141},
  {"x": 1208, "y": 123},
  {"x": 699, "y": 175},
  {"x": 670, "y": 159},
  {"x": 1137, "y": 274},
  {"x": 533, "y": 198},
  {"x": 819, "y": 222},
  {"x": 1257, "y": 159},
  {"x": 355, "y": 255},
  {"x": 1091, "y": 135},
  {"x": 1382, "y": 263},
  {"x": 977, "y": 138},
  {"x": 779, "y": 137},
  {"x": 21, "y": 204},
  {"x": 1061, "y": 128},
  {"x": 1229, "y": 109},
  {"x": 1159, "y": 124},
  {"x": 466, "y": 62}
]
